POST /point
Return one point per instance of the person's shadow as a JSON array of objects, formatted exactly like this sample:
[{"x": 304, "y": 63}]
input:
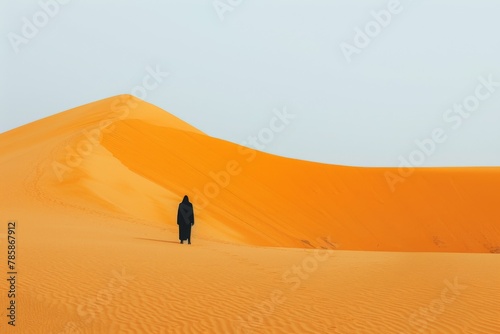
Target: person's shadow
[{"x": 167, "y": 241}]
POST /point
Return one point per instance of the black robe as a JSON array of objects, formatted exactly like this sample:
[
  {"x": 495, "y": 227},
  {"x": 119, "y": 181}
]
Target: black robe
[{"x": 185, "y": 219}]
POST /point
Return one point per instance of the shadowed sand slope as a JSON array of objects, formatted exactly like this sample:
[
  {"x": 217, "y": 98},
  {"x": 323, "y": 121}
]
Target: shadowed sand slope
[{"x": 122, "y": 156}]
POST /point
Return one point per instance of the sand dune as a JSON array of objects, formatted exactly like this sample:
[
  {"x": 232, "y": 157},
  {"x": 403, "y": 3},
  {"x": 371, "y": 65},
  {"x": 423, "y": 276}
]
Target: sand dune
[
  {"x": 125, "y": 156},
  {"x": 95, "y": 191}
]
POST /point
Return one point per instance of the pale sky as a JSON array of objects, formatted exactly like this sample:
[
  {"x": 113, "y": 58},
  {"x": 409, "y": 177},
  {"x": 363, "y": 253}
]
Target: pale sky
[{"x": 229, "y": 69}]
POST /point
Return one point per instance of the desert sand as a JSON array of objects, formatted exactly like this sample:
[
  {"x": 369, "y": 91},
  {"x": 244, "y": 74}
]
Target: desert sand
[{"x": 279, "y": 245}]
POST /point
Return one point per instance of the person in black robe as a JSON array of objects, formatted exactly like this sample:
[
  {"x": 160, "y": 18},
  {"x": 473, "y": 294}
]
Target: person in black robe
[{"x": 185, "y": 219}]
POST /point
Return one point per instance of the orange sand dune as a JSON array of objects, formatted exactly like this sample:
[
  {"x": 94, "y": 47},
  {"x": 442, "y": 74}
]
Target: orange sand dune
[
  {"x": 141, "y": 160},
  {"x": 94, "y": 191}
]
